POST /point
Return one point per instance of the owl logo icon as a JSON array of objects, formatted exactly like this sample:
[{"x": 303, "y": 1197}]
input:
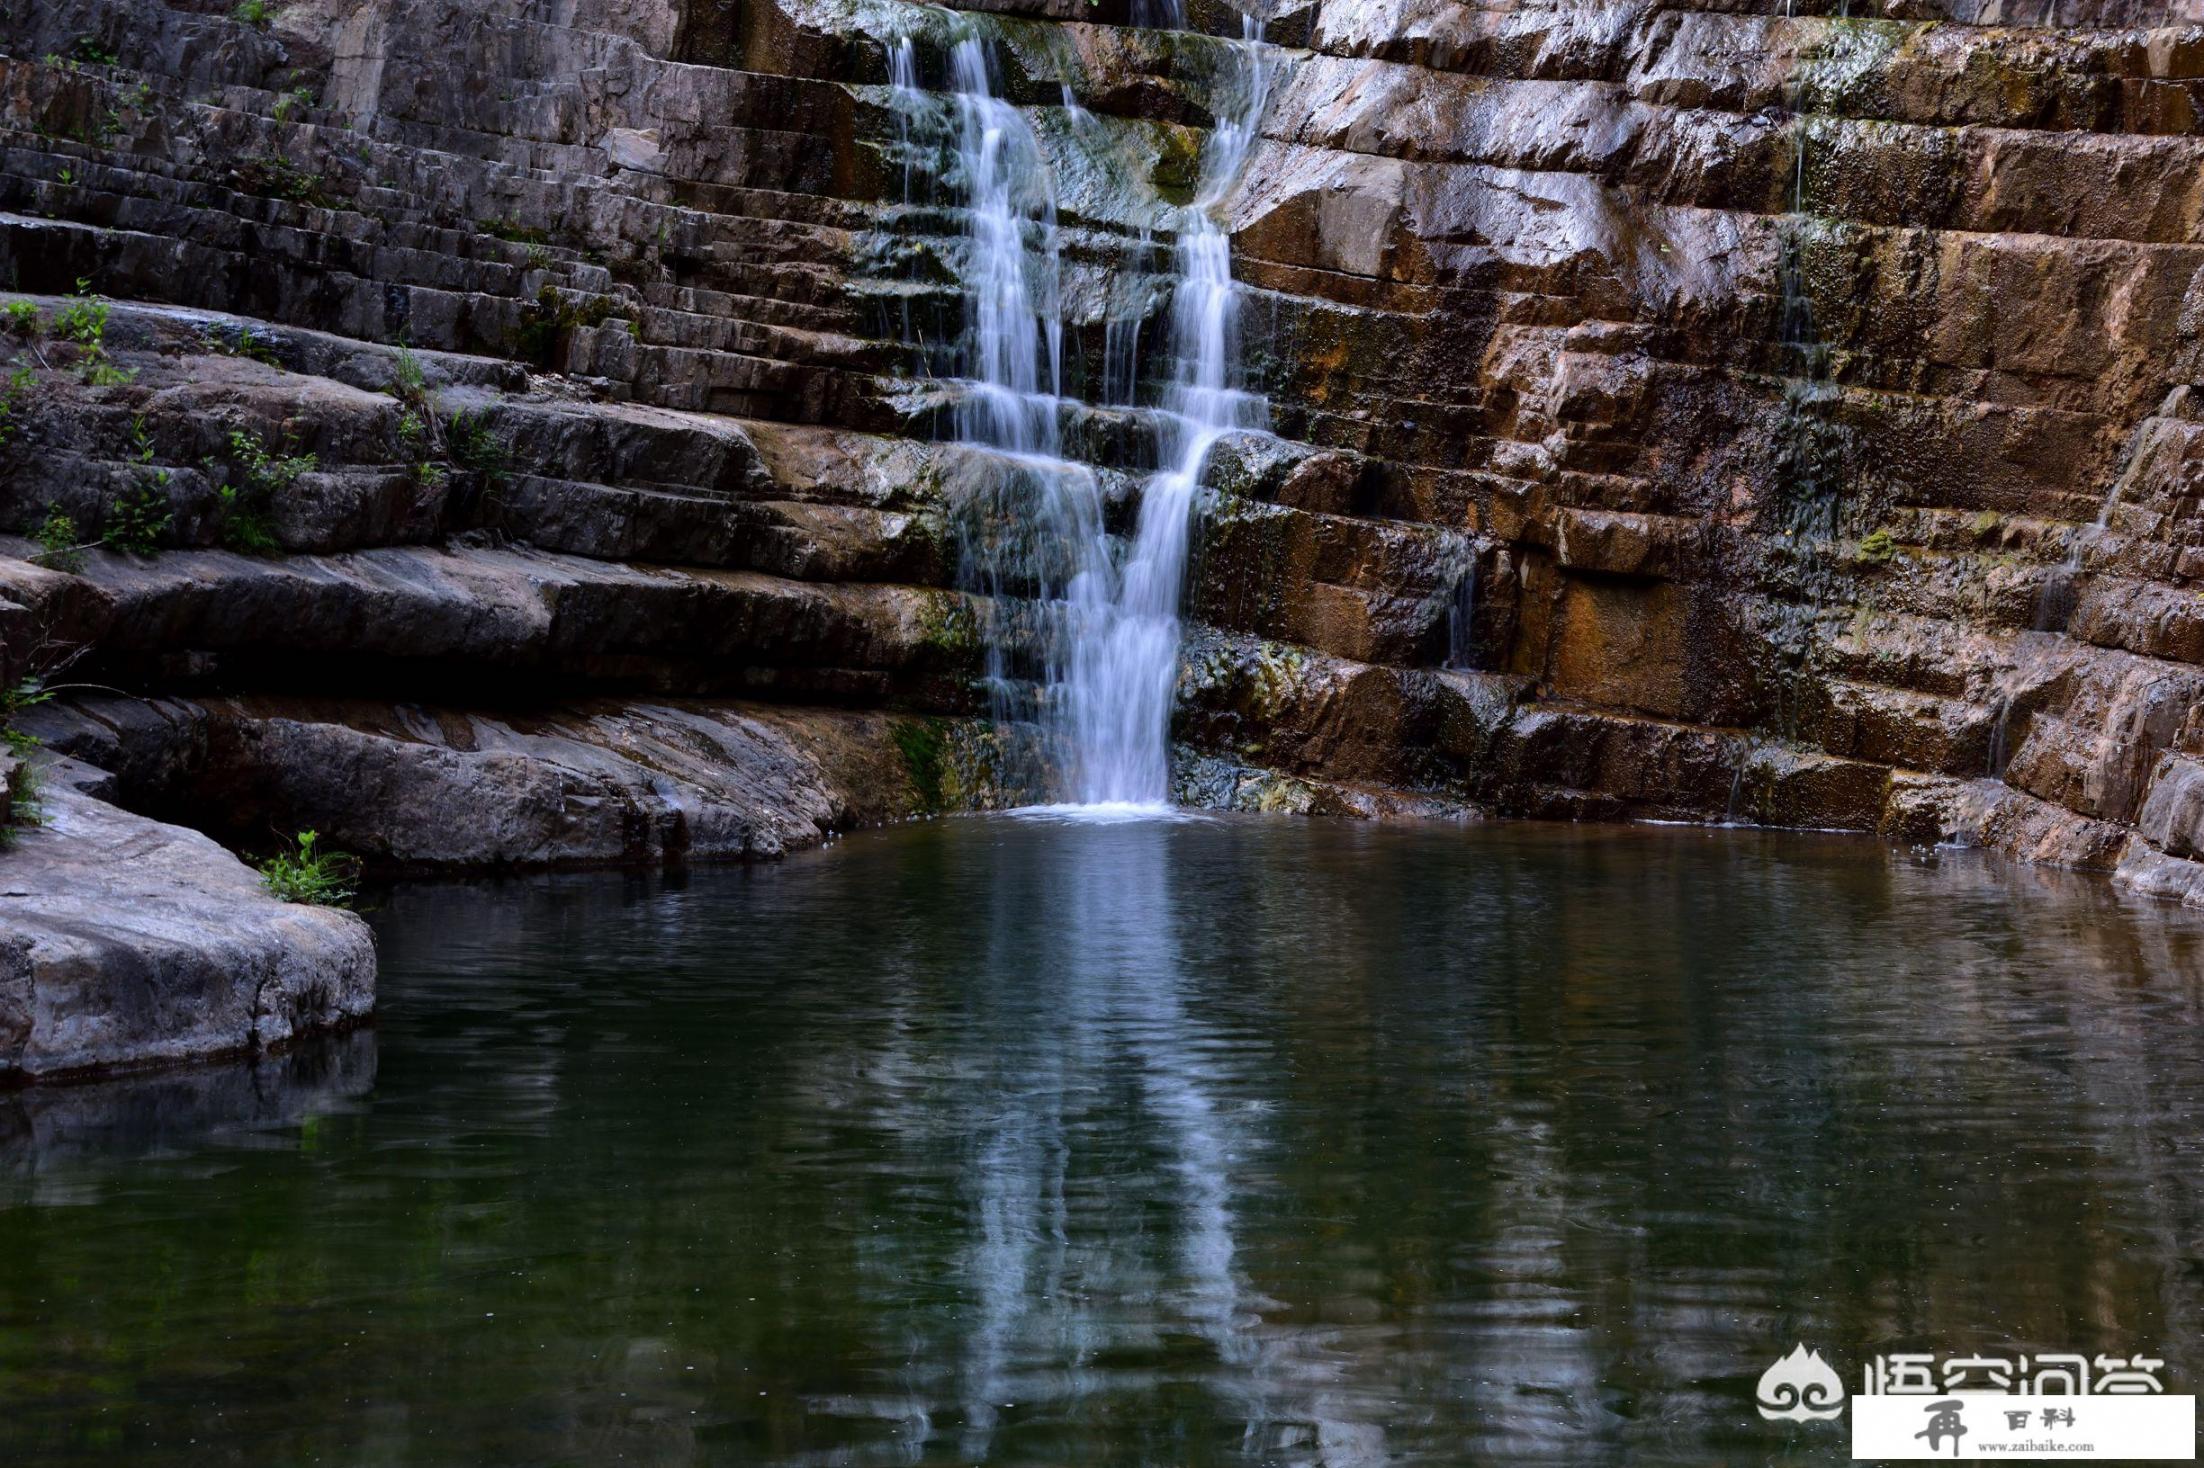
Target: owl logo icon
[{"x": 1801, "y": 1388}]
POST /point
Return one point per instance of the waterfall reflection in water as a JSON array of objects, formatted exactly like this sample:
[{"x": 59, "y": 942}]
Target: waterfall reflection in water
[{"x": 1194, "y": 1142}]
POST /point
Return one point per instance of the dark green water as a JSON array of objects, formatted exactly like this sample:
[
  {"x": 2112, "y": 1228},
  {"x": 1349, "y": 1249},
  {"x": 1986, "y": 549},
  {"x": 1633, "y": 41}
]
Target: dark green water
[{"x": 1223, "y": 1142}]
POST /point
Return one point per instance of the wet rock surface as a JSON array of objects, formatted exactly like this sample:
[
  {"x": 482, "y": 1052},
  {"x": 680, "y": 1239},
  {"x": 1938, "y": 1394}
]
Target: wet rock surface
[{"x": 125, "y": 942}]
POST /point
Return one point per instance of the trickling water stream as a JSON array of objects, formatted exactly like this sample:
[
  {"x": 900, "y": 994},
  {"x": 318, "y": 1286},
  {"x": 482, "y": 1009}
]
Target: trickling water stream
[{"x": 1105, "y": 636}]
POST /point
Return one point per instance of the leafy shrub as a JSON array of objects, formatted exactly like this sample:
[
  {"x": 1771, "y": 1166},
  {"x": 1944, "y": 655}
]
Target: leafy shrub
[
  {"x": 265, "y": 472},
  {"x": 20, "y": 318},
  {"x": 255, "y": 13},
  {"x": 309, "y": 874},
  {"x": 138, "y": 519},
  {"x": 84, "y": 319},
  {"x": 58, "y": 546},
  {"x": 244, "y": 505}
]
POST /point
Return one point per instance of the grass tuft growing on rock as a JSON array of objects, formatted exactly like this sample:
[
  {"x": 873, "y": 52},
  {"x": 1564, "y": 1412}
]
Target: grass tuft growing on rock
[
  {"x": 476, "y": 447},
  {"x": 308, "y": 873}
]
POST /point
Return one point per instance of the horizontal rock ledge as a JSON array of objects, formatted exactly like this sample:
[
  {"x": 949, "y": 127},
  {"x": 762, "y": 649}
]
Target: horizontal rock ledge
[{"x": 127, "y": 943}]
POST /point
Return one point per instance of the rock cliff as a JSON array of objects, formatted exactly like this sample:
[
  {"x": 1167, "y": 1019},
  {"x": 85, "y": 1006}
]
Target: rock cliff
[{"x": 1684, "y": 408}]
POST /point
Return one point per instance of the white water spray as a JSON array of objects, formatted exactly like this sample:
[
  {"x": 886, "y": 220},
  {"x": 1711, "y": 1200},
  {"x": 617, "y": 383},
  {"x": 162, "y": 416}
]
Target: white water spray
[
  {"x": 1125, "y": 659},
  {"x": 1108, "y": 631}
]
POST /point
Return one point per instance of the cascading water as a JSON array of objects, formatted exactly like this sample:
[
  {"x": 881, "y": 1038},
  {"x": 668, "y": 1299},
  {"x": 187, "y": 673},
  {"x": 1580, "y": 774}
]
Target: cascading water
[
  {"x": 1033, "y": 529},
  {"x": 1105, "y": 630},
  {"x": 1125, "y": 654}
]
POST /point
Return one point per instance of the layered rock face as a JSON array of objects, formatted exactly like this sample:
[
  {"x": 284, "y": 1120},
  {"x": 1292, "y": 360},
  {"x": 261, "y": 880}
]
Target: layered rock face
[{"x": 1687, "y": 410}]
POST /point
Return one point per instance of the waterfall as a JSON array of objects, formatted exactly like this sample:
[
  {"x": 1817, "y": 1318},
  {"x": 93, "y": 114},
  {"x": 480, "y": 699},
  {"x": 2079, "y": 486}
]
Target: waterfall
[
  {"x": 1125, "y": 656},
  {"x": 1101, "y": 633}
]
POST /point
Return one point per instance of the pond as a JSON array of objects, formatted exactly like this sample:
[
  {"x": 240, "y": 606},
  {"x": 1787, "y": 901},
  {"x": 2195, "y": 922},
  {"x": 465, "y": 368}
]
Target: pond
[{"x": 1159, "y": 1142}]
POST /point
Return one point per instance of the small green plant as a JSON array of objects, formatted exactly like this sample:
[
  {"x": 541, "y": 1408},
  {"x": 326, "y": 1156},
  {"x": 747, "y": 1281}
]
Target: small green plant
[
  {"x": 550, "y": 321},
  {"x": 99, "y": 372},
  {"x": 409, "y": 381},
  {"x": 255, "y": 13},
  {"x": 243, "y": 505},
  {"x": 21, "y": 318},
  {"x": 420, "y": 448},
  {"x": 307, "y": 873},
  {"x": 273, "y": 176},
  {"x": 265, "y": 472},
  {"x": 83, "y": 322},
  {"x": 1876, "y": 549},
  {"x": 11, "y": 399},
  {"x": 23, "y": 810},
  {"x": 298, "y": 99},
  {"x": 92, "y": 53},
  {"x": 240, "y": 341},
  {"x": 513, "y": 230},
  {"x": 59, "y": 549},
  {"x": 138, "y": 519},
  {"x": 476, "y": 447},
  {"x": 245, "y": 530}
]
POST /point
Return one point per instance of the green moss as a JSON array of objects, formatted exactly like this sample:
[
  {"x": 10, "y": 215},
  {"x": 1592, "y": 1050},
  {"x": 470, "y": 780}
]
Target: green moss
[
  {"x": 274, "y": 177},
  {"x": 1177, "y": 170},
  {"x": 925, "y": 759},
  {"x": 1876, "y": 549},
  {"x": 950, "y": 626},
  {"x": 552, "y": 319}
]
